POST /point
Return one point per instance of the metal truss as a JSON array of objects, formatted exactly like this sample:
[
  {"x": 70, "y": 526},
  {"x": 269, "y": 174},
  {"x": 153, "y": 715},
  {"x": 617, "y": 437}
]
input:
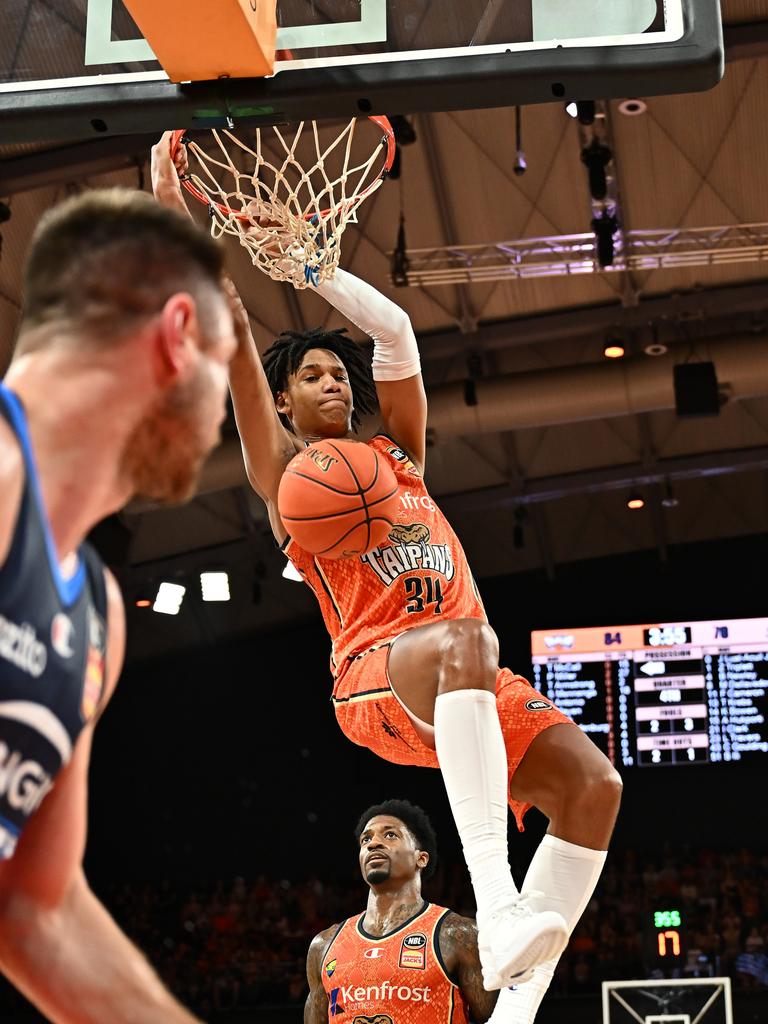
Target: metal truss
[{"x": 563, "y": 255}]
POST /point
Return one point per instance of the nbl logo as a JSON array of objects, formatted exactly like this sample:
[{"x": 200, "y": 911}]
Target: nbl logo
[{"x": 537, "y": 704}]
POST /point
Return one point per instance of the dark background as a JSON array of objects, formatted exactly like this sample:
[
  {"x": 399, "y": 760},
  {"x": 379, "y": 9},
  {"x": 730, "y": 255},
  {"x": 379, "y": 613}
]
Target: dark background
[{"x": 228, "y": 759}]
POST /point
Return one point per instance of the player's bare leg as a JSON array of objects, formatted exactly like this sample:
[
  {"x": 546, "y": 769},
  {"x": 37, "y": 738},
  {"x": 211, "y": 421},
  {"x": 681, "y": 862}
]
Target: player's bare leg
[{"x": 445, "y": 674}]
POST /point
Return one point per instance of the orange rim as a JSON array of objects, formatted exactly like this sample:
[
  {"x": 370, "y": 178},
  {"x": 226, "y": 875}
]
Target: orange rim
[{"x": 177, "y": 137}]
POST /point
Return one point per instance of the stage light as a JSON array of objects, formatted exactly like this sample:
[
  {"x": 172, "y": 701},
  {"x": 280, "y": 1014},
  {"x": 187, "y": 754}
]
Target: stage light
[
  {"x": 143, "y": 602},
  {"x": 635, "y": 501},
  {"x": 290, "y": 572},
  {"x": 669, "y": 500},
  {"x": 581, "y": 110},
  {"x": 614, "y": 348},
  {"x": 169, "y": 598},
  {"x": 521, "y": 164},
  {"x": 400, "y": 260},
  {"x": 604, "y": 228},
  {"x": 632, "y": 108},
  {"x": 596, "y": 158},
  {"x": 214, "y": 586}
]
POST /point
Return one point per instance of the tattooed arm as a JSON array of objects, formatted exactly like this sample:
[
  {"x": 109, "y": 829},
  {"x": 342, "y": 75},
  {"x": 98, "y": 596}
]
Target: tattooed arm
[
  {"x": 458, "y": 947},
  {"x": 316, "y": 1006}
]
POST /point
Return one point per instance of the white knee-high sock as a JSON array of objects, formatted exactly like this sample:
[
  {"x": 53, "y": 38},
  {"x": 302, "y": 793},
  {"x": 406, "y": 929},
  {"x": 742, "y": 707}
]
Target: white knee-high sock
[
  {"x": 566, "y": 876},
  {"x": 473, "y": 760}
]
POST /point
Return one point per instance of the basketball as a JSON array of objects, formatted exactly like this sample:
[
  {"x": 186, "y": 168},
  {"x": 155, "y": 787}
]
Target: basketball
[{"x": 338, "y": 499}]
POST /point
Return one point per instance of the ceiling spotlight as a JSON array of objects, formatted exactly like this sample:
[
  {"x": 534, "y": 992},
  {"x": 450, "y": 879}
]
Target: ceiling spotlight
[
  {"x": 581, "y": 110},
  {"x": 290, "y": 572},
  {"x": 596, "y": 158},
  {"x": 169, "y": 598},
  {"x": 142, "y": 601},
  {"x": 632, "y": 108},
  {"x": 656, "y": 348},
  {"x": 605, "y": 227},
  {"x": 214, "y": 586},
  {"x": 614, "y": 349},
  {"x": 635, "y": 500},
  {"x": 669, "y": 500}
]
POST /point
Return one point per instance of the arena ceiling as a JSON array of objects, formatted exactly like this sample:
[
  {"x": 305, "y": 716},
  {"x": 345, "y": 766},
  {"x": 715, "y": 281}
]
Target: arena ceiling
[{"x": 559, "y": 436}]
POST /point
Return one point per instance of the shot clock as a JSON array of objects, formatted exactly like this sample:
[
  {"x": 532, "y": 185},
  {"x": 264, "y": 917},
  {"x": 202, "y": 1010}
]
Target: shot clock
[
  {"x": 668, "y": 693},
  {"x": 664, "y": 939}
]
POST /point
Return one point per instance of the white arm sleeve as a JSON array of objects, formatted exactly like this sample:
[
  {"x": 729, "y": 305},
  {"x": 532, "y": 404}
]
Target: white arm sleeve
[{"x": 395, "y": 352}]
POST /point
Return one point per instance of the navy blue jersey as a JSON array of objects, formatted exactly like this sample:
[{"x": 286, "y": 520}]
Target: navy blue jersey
[{"x": 52, "y": 650}]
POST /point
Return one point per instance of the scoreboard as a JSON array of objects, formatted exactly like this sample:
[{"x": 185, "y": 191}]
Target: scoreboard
[{"x": 666, "y": 693}]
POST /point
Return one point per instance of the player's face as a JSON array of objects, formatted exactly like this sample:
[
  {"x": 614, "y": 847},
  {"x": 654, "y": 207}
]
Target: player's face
[
  {"x": 389, "y": 852},
  {"x": 164, "y": 455},
  {"x": 318, "y": 399}
]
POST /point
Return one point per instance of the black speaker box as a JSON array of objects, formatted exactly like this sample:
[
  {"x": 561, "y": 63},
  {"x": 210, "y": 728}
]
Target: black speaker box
[{"x": 696, "y": 392}]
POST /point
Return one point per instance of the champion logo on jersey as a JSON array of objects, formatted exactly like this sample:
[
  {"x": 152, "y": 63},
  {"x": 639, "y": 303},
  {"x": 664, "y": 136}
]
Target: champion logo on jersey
[
  {"x": 413, "y": 951},
  {"x": 373, "y": 954},
  {"x": 62, "y": 635}
]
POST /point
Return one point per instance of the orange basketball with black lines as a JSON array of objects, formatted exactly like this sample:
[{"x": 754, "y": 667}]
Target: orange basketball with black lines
[{"x": 338, "y": 499}]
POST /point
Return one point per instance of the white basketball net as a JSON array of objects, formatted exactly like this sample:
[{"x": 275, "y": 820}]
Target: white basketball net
[{"x": 289, "y": 219}]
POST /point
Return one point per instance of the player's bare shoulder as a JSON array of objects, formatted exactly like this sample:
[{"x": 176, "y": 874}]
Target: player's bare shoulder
[
  {"x": 11, "y": 485},
  {"x": 319, "y": 945},
  {"x": 457, "y": 935}
]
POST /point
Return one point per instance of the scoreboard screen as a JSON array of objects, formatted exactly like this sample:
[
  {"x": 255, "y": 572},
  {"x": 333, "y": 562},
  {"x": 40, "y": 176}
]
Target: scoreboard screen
[{"x": 662, "y": 694}]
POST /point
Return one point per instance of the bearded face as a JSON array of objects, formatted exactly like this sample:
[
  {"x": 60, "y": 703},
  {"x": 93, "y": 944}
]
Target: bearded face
[{"x": 164, "y": 455}]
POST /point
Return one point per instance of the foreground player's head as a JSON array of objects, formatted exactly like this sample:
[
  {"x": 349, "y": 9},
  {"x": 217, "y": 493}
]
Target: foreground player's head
[
  {"x": 321, "y": 382},
  {"x": 115, "y": 281},
  {"x": 397, "y": 843}
]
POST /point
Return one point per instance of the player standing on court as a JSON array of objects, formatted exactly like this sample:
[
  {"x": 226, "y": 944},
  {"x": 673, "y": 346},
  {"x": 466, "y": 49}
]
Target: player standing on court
[
  {"x": 117, "y": 388},
  {"x": 402, "y": 959},
  {"x": 416, "y": 674}
]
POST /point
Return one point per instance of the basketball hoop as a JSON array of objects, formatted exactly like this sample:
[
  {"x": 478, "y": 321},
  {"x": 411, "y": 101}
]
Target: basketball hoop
[{"x": 289, "y": 219}]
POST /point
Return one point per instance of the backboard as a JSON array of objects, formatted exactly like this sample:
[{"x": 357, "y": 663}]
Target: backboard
[{"x": 79, "y": 68}]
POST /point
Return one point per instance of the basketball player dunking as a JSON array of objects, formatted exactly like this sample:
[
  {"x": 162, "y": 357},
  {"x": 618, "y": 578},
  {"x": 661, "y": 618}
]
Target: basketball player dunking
[
  {"x": 415, "y": 663},
  {"x": 402, "y": 959},
  {"x": 117, "y": 387}
]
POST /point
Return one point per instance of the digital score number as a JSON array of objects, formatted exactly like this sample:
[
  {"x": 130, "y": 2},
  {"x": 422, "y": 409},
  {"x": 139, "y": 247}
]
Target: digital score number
[
  {"x": 667, "y": 926},
  {"x": 667, "y": 636}
]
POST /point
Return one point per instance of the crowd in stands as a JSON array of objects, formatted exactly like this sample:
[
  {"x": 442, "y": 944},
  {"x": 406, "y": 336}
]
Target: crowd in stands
[{"x": 243, "y": 943}]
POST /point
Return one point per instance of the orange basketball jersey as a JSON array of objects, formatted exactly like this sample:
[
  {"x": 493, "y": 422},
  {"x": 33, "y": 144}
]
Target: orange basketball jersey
[
  {"x": 421, "y": 575},
  {"x": 391, "y": 979}
]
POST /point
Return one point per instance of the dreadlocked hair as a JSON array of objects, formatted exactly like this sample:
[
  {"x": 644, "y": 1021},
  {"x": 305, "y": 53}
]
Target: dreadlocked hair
[
  {"x": 284, "y": 357},
  {"x": 414, "y": 819}
]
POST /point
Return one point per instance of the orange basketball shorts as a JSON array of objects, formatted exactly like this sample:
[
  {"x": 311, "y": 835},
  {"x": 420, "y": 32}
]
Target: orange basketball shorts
[{"x": 371, "y": 716}]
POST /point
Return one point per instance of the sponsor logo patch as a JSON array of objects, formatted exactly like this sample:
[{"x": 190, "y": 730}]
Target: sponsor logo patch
[
  {"x": 20, "y": 646},
  {"x": 536, "y": 704},
  {"x": 385, "y": 992},
  {"x": 330, "y": 967},
  {"x": 413, "y": 951}
]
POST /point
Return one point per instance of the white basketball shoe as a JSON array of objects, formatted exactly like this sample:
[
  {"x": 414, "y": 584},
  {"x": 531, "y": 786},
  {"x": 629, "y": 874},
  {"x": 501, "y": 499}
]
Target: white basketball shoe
[{"x": 516, "y": 939}]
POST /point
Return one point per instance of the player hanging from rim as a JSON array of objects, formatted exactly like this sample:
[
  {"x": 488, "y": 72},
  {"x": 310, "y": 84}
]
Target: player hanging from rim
[
  {"x": 415, "y": 664},
  {"x": 403, "y": 958},
  {"x": 117, "y": 387}
]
